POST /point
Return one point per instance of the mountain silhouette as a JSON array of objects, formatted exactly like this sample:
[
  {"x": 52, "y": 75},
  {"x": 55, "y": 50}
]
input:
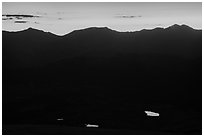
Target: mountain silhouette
[{"x": 98, "y": 74}]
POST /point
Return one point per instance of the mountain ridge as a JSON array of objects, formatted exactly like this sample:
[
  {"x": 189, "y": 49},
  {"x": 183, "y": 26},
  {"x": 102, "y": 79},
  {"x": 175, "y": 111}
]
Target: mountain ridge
[
  {"x": 30, "y": 29},
  {"x": 85, "y": 40}
]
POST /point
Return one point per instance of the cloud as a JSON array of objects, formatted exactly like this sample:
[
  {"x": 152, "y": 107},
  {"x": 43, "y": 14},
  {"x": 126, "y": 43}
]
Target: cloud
[
  {"x": 20, "y": 21},
  {"x": 17, "y": 16},
  {"x": 128, "y": 16},
  {"x": 20, "y": 16},
  {"x": 7, "y": 18}
]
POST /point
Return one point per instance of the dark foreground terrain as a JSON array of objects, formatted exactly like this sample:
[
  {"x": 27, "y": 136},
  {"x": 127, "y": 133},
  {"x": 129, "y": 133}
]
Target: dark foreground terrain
[
  {"x": 65, "y": 130},
  {"x": 100, "y": 76}
]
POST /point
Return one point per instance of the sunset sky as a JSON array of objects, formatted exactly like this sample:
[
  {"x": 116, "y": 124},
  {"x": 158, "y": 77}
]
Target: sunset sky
[{"x": 63, "y": 17}]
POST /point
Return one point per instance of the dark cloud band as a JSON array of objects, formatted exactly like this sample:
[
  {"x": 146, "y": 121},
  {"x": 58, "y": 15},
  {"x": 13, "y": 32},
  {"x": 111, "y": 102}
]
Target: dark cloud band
[
  {"x": 7, "y": 18},
  {"x": 127, "y": 16},
  {"x": 19, "y": 16},
  {"x": 20, "y": 21}
]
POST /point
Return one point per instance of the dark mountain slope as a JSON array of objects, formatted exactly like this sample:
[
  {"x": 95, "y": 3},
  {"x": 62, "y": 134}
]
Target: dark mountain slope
[
  {"x": 98, "y": 74},
  {"x": 33, "y": 44},
  {"x": 28, "y": 48}
]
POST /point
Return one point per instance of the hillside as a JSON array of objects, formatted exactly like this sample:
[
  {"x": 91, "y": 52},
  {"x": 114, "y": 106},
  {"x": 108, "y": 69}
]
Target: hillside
[{"x": 101, "y": 75}]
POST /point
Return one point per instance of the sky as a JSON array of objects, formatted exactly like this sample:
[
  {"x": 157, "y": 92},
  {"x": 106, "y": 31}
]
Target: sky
[{"x": 63, "y": 17}]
